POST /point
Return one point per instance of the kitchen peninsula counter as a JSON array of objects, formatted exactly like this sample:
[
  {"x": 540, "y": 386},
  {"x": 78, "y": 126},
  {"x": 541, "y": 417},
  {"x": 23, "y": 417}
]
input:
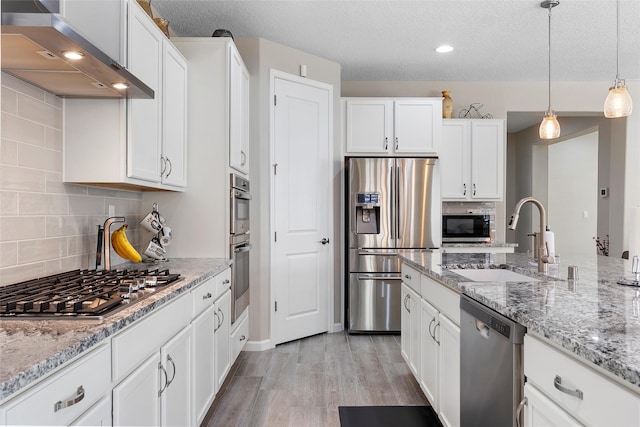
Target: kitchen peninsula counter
[
  {"x": 593, "y": 317},
  {"x": 31, "y": 349}
]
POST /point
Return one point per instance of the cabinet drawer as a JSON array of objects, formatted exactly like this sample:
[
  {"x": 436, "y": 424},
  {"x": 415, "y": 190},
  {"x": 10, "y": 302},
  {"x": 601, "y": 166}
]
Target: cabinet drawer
[
  {"x": 223, "y": 282},
  {"x": 411, "y": 277},
  {"x": 134, "y": 344},
  {"x": 239, "y": 336},
  {"x": 203, "y": 296},
  {"x": 444, "y": 299},
  {"x": 603, "y": 402},
  {"x": 85, "y": 381}
]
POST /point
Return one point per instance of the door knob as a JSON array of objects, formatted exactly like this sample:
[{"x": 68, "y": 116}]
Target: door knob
[{"x": 324, "y": 241}]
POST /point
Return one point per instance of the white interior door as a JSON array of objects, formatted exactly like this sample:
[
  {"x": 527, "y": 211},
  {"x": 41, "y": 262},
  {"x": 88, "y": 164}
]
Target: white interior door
[{"x": 301, "y": 210}]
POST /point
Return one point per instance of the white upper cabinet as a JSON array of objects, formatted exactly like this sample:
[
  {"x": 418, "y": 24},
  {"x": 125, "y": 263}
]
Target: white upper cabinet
[
  {"x": 392, "y": 125},
  {"x": 133, "y": 143},
  {"x": 472, "y": 159},
  {"x": 238, "y": 112}
]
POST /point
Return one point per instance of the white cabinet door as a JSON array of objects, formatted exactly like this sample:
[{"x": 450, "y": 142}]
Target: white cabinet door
[
  {"x": 369, "y": 125},
  {"x": 417, "y": 125},
  {"x": 174, "y": 117},
  {"x": 414, "y": 333},
  {"x": 405, "y": 324},
  {"x": 540, "y": 411},
  {"x": 487, "y": 159},
  {"x": 175, "y": 402},
  {"x": 135, "y": 399},
  {"x": 448, "y": 335},
  {"x": 238, "y": 112},
  {"x": 221, "y": 338},
  {"x": 203, "y": 363},
  {"x": 454, "y": 157},
  {"x": 98, "y": 415},
  {"x": 145, "y": 62},
  {"x": 429, "y": 353}
]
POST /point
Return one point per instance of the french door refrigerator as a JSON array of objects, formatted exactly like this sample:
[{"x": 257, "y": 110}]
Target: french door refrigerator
[{"x": 392, "y": 204}]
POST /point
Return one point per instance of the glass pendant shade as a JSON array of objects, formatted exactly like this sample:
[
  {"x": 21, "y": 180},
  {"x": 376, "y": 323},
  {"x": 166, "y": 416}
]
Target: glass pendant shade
[
  {"x": 618, "y": 102},
  {"x": 549, "y": 128}
]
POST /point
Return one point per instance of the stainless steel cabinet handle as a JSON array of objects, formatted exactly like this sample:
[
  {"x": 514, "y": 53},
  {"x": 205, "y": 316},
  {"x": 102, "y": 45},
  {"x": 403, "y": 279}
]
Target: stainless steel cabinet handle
[
  {"x": 225, "y": 282},
  {"x": 406, "y": 297},
  {"x": 430, "y": 333},
  {"x": 166, "y": 379},
  {"x": 70, "y": 402},
  {"x": 474, "y": 189},
  {"x": 324, "y": 241},
  {"x": 464, "y": 189},
  {"x": 222, "y": 316},
  {"x": 396, "y": 142},
  {"x": 215, "y": 328},
  {"x": 434, "y": 333},
  {"x": 406, "y": 276},
  {"x": 173, "y": 377},
  {"x": 207, "y": 296},
  {"x": 386, "y": 143},
  {"x": 557, "y": 383},
  {"x": 523, "y": 402},
  {"x": 243, "y": 157},
  {"x": 242, "y": 338},
  {"x": 170, "y": 167}
]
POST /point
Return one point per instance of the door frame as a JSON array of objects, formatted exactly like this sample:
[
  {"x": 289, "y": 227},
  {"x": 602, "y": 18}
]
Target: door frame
[{"x": 273, "y": 75}]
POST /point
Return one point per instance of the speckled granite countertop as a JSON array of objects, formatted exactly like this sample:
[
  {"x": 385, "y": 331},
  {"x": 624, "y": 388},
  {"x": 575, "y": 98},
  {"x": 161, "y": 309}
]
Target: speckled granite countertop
[
  {"x": 593, "y": 317},
  {"x": 480, "y": 245},
  {"x": 31, "y": 348}
]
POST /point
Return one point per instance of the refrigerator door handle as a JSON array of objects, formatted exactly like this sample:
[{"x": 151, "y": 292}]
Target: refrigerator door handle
[
  {"x": 366, "y": 252},
  {"x": 394, "y": 196},
  {"x": 367, "y": 277}
]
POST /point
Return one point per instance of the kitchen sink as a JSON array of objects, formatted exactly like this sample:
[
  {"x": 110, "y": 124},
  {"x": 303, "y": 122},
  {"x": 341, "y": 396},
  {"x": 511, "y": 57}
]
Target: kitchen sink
[{"x": 493, "y": 275}]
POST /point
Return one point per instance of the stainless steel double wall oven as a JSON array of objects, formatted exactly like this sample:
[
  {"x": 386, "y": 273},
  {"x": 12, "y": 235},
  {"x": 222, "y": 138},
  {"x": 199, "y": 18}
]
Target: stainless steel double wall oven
[{"x": 239, "y": 244}]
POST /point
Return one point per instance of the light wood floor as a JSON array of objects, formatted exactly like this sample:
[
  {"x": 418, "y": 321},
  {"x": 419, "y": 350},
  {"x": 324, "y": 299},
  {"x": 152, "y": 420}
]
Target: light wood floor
[{"x": 303, "y": 382}]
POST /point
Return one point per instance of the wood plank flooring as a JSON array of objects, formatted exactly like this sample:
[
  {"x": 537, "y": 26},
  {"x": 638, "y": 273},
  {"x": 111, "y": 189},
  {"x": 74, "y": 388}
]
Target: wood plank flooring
[{"x": 303, "y": 382}]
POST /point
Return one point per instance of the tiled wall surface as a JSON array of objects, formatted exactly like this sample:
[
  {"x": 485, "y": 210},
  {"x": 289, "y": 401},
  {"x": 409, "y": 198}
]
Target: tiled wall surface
[{"x": 47, "y": 226}]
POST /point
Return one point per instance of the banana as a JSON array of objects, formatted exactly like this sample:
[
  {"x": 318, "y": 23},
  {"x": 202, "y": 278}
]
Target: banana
[{"x": 122, "y": 246}]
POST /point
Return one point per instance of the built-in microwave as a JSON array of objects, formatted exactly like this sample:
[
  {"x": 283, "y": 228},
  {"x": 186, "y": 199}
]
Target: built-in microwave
[{"x": 466, "y": 228}]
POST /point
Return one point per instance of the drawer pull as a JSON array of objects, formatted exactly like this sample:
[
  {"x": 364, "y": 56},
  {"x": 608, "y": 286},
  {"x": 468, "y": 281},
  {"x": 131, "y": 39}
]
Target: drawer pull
[
  {"x": 166, "y": 379},
  {"x": 77, "y": 398},
  {"x": 207, "y": 296},
  {"x": 406, "y": 276},
  {"x": 242, "y": 338},
  {"x": 557, "y": 382},
  {"x": 225, "y": 282}
]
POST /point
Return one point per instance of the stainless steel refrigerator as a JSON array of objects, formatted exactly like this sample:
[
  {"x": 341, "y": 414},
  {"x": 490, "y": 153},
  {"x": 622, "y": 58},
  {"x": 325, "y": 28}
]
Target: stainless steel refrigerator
[{"x": 392, "y": 204}]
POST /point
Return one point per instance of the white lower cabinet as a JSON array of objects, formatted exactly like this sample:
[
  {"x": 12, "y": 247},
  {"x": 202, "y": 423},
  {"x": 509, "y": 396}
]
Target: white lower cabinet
[
  {"x": 540, "y": 411},
  {"x": 204, "y": 382},
  {"x": 430, "y": 353},
  {"x": 239, "y": 335},
  {"x": 448, "y": 334},
  {"x": 98, "y": 415},
  {"x": 222, "y": 346},
  {"x": 175, "y": 394},
  {"x": 135, "y": 400},
  {"x": 410, "y": 328}
]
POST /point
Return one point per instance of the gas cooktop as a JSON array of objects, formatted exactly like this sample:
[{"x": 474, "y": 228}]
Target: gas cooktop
[{"x": 80, "y": 294}]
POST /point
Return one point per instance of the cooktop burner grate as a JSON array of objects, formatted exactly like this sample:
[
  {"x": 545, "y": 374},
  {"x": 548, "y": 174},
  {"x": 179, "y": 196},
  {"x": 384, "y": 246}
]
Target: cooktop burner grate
[{"x": 80, "y": 293}]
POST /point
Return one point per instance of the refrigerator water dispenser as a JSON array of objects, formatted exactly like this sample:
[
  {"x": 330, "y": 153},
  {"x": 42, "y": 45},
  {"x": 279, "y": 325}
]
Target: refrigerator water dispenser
[{"x": 367, "y": 213}]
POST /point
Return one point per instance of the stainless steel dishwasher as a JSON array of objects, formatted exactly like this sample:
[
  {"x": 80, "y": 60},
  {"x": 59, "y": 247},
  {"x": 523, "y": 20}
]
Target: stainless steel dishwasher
[{"x": 491, "y": 376}]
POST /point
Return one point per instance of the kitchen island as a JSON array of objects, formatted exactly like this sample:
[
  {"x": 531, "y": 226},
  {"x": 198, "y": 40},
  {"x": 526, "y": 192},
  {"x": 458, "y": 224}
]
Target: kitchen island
[
  {"x": 32, "y": 349},
  {"x": 592, "y": 317}
]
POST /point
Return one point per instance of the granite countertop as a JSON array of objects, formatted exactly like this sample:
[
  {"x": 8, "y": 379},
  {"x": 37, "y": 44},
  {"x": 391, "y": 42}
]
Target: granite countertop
[
  {"x": 593, "y": 317},
  {"x": 32, "y": 348},
  {"x": 480, "y": 245}
]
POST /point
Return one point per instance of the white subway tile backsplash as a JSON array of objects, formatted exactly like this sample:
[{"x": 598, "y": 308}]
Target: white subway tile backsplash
[
  {"x": 8, "y": 152},
  {"x": 41, "y": 249},
  {"x": 42, "y": 204},
  {"x": 39, "y": 111},
  {"x": 31, "y": 156},
  {"x": 21, "y": 179},
  {"x": 47, "y": 226},
  {"x": 8, "y": 203},
  {"x": 22, "y": 130},
  {"x": 8, "y": 254},
  {"x": 22, "y": 228}
]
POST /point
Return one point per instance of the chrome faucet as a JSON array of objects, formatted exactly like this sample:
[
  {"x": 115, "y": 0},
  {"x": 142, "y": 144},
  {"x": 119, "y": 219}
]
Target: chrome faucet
[
  {"x": 543, "y": 250},
  {"x": 106, "y": 246}
]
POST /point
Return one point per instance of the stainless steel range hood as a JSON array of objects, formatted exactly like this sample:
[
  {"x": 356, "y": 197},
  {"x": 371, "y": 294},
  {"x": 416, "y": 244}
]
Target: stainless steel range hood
[{"x": 34, "y": 36}]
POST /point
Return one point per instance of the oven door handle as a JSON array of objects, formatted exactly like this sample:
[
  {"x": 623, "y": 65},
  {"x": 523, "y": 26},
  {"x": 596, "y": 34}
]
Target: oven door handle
[
  {"x": 241, "y": 195},
  {"x": 243, "y": 248}
]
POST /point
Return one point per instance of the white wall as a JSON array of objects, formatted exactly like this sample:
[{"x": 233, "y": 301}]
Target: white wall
[{"x": 499, "y": 98}]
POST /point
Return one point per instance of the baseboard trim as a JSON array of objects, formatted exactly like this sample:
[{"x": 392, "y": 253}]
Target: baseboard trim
[
  {"x": 258, "y": 345},
  {"x": 337, "y": 327}
]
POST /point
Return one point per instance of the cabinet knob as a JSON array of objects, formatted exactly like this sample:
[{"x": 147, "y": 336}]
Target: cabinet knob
[{"x": 207, "y": 296}]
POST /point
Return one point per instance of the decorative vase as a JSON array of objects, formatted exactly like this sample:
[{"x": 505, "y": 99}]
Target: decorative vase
[{"x": 447, "y": 105}]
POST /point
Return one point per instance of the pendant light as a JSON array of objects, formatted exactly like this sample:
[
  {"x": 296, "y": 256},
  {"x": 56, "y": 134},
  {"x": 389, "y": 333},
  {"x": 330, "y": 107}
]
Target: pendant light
[
  {"x": 618, "y": 102},
  {"x": 549, "y": 128}
]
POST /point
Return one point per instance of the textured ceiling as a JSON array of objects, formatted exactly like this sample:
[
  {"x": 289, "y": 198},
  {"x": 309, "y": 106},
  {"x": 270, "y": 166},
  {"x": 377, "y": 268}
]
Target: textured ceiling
[{"x": 494, "y": 40}]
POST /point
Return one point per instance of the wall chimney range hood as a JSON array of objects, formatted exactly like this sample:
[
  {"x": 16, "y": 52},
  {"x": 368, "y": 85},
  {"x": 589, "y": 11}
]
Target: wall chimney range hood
[{"x": 34, "y": 37}]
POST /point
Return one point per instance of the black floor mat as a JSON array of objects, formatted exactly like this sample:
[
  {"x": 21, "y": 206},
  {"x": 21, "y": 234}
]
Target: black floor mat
[{"x": 388, "y": 416}]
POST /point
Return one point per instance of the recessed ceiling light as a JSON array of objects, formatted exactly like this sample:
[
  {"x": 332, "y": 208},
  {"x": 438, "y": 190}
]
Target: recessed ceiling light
[
  {"x": 120, "y": 85},
  {"x": 445, "y": 48},
  {"x": 73, "y": 54}
]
